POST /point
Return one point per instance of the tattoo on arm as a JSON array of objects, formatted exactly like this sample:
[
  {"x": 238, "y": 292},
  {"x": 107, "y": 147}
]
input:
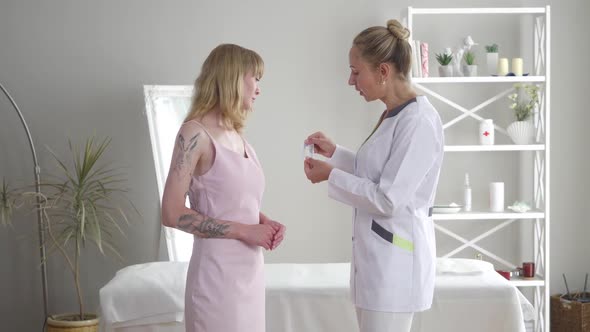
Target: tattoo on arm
[
  {"x": 184, "y": 151},
  {"x": 201, "y": 225}
]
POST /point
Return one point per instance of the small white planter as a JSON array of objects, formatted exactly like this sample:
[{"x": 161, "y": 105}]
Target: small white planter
[
  {"x": 521, "y": 132},
  {"x": 492, "y": 63},
  {"x": 445, "y": 71},
  {"x": 470, "y": 70}
]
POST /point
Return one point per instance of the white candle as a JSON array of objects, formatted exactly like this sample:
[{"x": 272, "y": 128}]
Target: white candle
[
  {"x": 497, "y": 196},
  {"x": 517, "y": 66},
  {"x": 502, "y": 66}
]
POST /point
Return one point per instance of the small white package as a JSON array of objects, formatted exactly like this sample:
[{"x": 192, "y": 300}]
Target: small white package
[{"x": 308, "y": 150}]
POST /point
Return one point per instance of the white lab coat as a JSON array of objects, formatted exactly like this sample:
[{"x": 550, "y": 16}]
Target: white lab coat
[{"x": 391, "y": 183}]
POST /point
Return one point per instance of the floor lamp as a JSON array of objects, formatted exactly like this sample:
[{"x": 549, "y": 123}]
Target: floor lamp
[{"x": 40, "y": 224}]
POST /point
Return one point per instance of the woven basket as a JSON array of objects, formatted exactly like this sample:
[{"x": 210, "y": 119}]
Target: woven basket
[
  {"x": 570, "y": 316},
  {"x": 61, "y": 323}
]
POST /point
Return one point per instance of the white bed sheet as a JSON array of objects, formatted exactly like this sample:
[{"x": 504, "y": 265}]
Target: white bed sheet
[
  {"x": 484, "y": 302},
  {"x": 469, "y": 296},
  {"x": 309, "y": 297}
]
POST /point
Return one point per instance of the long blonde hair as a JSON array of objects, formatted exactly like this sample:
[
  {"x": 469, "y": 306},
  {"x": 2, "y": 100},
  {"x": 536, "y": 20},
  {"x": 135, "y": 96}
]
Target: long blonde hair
[
  {"x": 386, "y": 44},
  {"x": 220, "y": 84}
]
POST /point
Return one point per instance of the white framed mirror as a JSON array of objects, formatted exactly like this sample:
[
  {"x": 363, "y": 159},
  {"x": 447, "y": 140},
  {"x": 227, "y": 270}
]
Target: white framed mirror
[{"x": 166, "y": 107}]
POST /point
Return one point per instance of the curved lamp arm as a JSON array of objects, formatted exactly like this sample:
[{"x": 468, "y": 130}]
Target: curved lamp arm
[{"x": 40, "y": 224}]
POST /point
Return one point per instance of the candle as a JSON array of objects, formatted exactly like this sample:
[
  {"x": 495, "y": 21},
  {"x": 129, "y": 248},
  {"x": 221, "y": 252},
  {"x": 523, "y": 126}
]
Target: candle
[
  {"x": 497, "y": 196},
  {"x": 517, "y": 66},
  {"x": 528, "y": 269},
  {"x": 502, "y": 66}
]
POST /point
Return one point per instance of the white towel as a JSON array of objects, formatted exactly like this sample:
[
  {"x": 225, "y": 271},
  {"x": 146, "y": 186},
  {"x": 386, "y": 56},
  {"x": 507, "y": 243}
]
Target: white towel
[{"x": 461, "y": 266}]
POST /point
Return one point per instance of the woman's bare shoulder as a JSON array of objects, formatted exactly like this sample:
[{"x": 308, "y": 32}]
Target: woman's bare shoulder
[{"x": 192, "y": 136}]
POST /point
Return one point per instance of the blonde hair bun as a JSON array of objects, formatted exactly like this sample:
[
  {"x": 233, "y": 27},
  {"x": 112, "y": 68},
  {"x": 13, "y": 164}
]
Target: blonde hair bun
[{"x": 398, "y": 30}]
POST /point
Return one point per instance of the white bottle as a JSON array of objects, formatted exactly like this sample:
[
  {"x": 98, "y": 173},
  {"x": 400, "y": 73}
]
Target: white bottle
[
  {"x": 486, "y": 132},
  {"x": 466, "y": 194}
]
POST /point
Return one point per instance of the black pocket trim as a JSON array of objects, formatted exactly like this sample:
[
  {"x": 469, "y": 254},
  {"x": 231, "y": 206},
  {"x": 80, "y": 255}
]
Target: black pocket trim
[{"x": 382, "y": 232}]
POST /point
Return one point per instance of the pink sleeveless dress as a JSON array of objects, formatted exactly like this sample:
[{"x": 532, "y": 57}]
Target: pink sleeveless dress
[{"x": 225, "y": 281}]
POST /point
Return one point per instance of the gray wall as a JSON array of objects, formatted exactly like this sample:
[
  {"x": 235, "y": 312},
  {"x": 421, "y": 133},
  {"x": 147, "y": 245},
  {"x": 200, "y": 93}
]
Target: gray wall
[{"x": 77, "y": 68}]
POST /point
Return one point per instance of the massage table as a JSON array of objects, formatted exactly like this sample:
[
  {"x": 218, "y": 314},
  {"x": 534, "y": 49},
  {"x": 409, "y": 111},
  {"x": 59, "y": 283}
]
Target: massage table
[{"x": 469, "y": 296}]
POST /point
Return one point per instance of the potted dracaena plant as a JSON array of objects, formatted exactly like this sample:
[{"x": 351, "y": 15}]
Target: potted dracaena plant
[
  {"x": 524, "y": 103},
  {"x": 492, "y": 59},
  {"x": 444, "y": 61},
  {"x": 81, "y": 205}
]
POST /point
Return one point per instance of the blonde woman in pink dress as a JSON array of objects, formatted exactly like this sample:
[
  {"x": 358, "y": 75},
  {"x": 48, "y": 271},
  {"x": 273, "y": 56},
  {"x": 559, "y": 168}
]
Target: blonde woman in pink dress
[{"x": 219, "y": 171}]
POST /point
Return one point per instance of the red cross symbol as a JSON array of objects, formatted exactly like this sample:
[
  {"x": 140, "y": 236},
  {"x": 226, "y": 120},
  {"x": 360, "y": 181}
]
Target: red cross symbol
[{"x": 485, "y": 133}]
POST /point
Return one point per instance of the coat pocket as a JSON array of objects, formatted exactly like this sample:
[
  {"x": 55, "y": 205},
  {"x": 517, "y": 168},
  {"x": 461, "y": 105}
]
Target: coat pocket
[{"x": 392, "y": 237}]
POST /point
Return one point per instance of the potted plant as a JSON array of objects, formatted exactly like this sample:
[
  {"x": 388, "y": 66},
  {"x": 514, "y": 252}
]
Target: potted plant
[
  {"x": 524, "y": 103},
  {"x": 470, "y": 68},
  {"x": 444, "y": 59},
  {"x": 81, "y": 205},
  {"x": 492, "y": 59}
]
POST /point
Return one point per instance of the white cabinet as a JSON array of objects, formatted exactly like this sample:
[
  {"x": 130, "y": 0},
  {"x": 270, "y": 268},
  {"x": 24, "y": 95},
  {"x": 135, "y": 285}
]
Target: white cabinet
[{"x": 539, "y": 152}]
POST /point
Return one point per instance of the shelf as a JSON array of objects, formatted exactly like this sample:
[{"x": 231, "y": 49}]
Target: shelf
[
  {"x": 451, "y": 91},
  {"x": 479, "y": 79},
  {"x": 426, "y": 11},
  {"x": 483, "y": 148},
  {"x": 519, "y": 282},
  {"x": 475, "y": 215}
]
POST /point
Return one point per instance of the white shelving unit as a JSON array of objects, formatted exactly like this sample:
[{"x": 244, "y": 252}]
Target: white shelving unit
[
  {"x": 488, "y": 215},
  {"x": 480, "y": 79},
  {"x": 485, "y": 148},
  {"x": 541, "y": 180}
]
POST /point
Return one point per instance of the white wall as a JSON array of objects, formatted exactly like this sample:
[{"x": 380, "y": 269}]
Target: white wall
[{"x": 76, "y": 68}]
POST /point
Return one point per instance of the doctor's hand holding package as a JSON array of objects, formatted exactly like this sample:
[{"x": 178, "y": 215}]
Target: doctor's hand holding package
[
  {"x": 316, "y": 170},
  {"x": 323, "y": 145}
]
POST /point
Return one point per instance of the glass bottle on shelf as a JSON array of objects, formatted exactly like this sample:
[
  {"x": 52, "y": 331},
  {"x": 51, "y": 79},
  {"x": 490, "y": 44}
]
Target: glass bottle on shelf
[{"x": 466, "y": 194}]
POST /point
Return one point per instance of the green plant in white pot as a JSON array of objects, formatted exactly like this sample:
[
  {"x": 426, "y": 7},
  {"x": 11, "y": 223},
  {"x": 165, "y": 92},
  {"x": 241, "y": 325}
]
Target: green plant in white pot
[
  {"x": 444, "y": 60},
  {"x": 80, "y": 205},
  {"x": 492, "y": 59},
  {"x": 470, "y": 68},
  {"x": 524, "y": 103}
]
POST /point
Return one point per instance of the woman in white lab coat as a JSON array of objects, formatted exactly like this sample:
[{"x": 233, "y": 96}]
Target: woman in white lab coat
[{"x": 390, "y": 182}]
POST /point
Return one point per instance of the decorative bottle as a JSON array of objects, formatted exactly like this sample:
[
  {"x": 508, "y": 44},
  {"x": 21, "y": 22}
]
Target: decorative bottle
[
  {"x": 486, "y": 132},
  {"x": 467, "y": 194}
]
